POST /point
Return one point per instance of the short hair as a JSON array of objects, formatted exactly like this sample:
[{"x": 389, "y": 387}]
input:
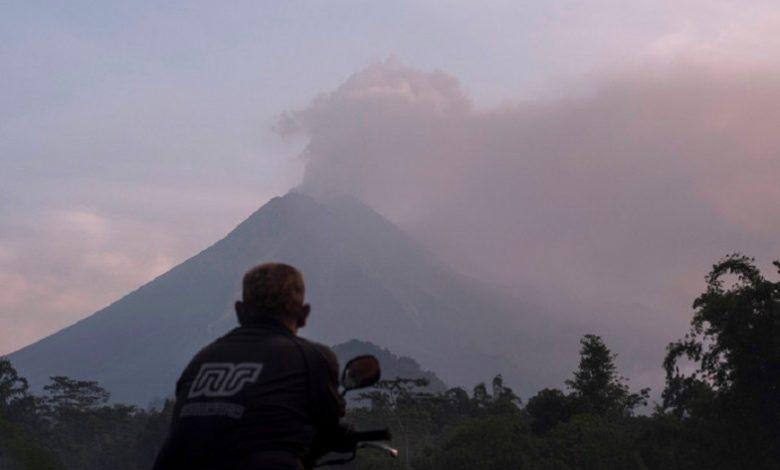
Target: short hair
[{"x": 274, "y": 288}]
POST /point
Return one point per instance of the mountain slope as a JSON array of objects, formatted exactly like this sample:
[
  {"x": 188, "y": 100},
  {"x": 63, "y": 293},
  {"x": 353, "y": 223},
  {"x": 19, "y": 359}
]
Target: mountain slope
[
  {"x": 393, "y": 367},
  {"x": 365, "y": 279}
]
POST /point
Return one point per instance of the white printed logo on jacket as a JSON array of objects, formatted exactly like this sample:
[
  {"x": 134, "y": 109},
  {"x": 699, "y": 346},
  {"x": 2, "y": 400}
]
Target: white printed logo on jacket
[{"x": 223, "y": 379}]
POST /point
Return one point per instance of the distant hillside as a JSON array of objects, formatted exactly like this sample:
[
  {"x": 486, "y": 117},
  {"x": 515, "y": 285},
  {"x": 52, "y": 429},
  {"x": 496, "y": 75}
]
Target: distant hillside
[{"x": 392, "y": 366}]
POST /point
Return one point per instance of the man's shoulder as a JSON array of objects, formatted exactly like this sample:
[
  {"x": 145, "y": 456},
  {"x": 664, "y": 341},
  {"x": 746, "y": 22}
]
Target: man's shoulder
[
  {"x": 216, "y": 344},
  {"x": 214, "y": 350},
  {"x": 320, "y": 350}
]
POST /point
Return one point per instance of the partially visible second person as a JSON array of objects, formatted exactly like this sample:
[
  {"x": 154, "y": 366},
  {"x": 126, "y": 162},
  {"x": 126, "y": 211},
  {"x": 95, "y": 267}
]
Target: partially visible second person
[{"x": 259, "y": 397}]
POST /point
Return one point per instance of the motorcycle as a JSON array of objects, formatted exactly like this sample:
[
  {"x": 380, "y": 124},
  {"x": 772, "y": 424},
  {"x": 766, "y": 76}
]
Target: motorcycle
[{"x": 363, "y": 372}]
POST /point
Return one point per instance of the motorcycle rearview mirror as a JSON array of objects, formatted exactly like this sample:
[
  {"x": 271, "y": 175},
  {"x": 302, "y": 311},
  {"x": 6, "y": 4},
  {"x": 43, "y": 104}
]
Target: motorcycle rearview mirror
[{"x": 360, "y": 372}]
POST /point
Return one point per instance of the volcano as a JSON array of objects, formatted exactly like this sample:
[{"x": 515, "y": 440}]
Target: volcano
[{"x": 366, "y": 279}]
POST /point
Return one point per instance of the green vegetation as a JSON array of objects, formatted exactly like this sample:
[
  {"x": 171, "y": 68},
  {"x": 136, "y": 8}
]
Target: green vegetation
[
  {"x": 72, "y": 427},
  {"x": 720, "y": 409}
]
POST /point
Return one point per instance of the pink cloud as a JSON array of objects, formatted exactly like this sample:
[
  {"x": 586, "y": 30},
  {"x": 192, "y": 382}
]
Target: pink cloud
[{"x": 68, "y": 263}]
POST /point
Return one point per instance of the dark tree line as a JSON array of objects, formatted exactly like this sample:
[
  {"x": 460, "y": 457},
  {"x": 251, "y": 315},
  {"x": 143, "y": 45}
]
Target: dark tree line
[
  {"x": 720, "y": 407},
  {"x": 588, "y": 427},
  {"x": 72, "y": 426}
]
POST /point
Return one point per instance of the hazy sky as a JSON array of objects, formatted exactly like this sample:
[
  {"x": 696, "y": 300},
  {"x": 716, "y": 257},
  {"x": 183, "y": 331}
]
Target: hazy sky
[{"x": 608, "y": 151}]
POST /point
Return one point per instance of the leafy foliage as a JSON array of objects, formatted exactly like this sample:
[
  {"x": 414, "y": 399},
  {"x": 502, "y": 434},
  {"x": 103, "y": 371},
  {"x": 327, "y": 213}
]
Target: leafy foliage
[
  {"x": 12, "y": 386},
  {"x": 64, "y": 394},
  {"x": 734, "y": 346},
  {"x": 548, "y": 408},
  {"x": 72, "y": 426},
  {"x": 597, "y": 387}
]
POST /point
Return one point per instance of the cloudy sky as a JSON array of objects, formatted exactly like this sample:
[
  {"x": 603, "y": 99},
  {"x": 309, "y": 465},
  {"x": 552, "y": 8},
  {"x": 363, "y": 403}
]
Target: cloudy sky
[{"x": 604, "y": 153}]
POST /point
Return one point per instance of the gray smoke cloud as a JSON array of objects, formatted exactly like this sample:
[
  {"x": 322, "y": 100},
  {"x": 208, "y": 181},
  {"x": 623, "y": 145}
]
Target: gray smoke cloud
[{"x": 619, "y": 200}]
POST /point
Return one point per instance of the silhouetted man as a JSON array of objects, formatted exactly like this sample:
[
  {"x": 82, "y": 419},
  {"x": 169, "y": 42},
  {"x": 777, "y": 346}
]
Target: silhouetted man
[{"x": 259, "y": 397}]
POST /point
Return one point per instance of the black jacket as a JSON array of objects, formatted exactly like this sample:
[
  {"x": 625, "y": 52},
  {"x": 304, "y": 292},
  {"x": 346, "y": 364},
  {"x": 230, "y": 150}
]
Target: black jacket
[{"x": 257, "y": 397}]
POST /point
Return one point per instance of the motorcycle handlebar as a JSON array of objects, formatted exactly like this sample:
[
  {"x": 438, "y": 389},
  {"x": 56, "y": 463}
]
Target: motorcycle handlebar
[
  {"x": 362, "y": 439},
  {"x": 373, "y": 435}
]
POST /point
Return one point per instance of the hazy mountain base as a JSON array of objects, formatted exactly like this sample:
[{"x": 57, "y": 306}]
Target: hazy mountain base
[{"x": 393, "y": 367}]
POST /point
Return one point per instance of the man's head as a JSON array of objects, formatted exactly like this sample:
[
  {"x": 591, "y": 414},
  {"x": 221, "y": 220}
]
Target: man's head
[{"x": 273, "y": 290}]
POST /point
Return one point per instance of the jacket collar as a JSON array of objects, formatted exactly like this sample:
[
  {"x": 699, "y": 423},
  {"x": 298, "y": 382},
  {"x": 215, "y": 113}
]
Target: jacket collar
[{"x": 269, "y": 323}]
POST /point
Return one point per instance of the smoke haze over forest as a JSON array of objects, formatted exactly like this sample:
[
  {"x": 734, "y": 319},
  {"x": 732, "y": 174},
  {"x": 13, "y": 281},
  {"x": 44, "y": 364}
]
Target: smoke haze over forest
[{"x": 622, "y": 198}]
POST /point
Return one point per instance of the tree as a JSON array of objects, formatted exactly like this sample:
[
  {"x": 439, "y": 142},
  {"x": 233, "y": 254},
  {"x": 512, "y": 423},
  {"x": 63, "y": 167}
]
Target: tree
[
  {"x": 21, "y": 451},
  {"x": 13, "y": 387},
  {"x": 491, "y": 442},
  {"x": 153, "y": 433},
  {"x": 400, "y": 403},
  {"x": 589, "y": 441},
  {"x": 65, "y": 393},
  {"x": 548, "y": 408},
  {"x": 734, "y": 345},
  {"x": 19, "y": 448},
  {"x": 17, "y": 405},
  {"x": 596, "y": 387}
]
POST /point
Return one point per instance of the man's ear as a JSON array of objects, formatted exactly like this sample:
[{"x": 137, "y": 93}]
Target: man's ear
[
  {"x": 303, "y": 315},
  {"x": 240, "y": 311}
]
